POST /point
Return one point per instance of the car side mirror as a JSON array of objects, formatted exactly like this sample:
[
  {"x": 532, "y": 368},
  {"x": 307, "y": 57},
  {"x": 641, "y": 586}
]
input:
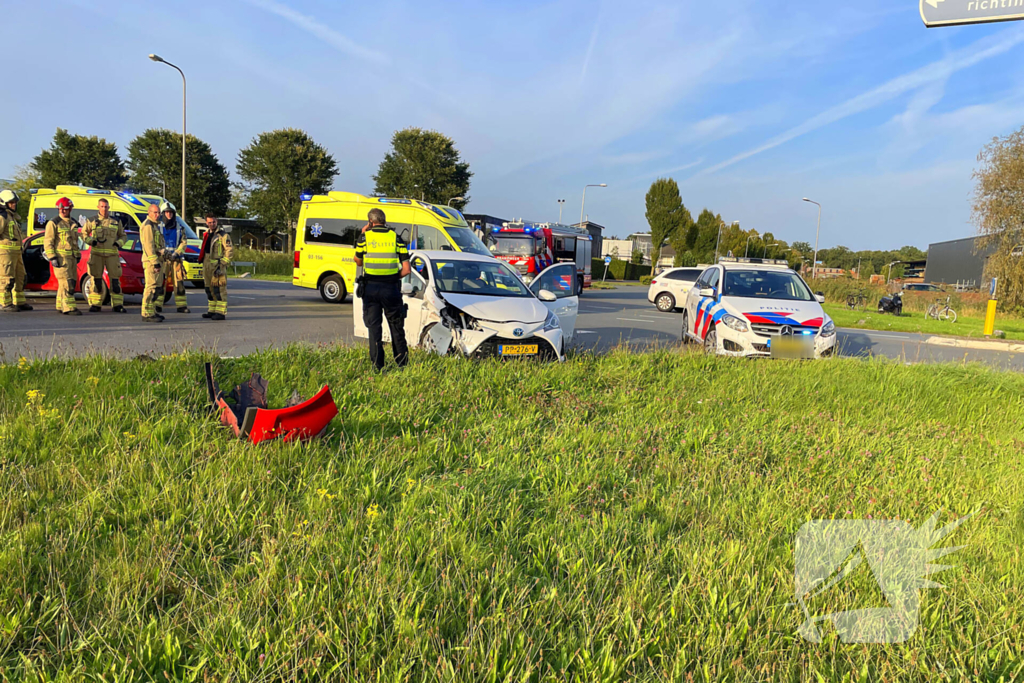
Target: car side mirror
[
  {"x": 546, "y": 295},
  {"x": 819, "y": 297},
  {"x": 707, "y": 292},
  {"x": 407, "y": 288}
]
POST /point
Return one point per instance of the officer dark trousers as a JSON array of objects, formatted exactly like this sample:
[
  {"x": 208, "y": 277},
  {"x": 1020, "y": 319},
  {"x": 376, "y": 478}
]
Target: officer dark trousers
[{"x": 385, "y": 299}]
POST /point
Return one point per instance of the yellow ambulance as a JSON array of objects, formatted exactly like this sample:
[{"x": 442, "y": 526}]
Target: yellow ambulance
[
  {"x": 128, "y": 207},
  {"x": 330, "y": 224}
]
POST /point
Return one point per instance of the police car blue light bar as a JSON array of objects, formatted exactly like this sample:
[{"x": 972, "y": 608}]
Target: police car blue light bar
[{"x": 762, "y": 261}]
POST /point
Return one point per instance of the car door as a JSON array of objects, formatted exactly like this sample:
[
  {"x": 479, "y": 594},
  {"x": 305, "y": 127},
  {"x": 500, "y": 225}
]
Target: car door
[
  {"x": 38, "y": 272},
  {"x": 561, "y": 280},
  {"x": 693, "y": 301},
  {"x": 419, "y": 280}
]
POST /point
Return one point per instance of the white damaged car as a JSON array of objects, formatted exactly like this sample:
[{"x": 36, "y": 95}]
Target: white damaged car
[
  {"x": 755, "y": 307},
  {"x": 478, "y": 306}
]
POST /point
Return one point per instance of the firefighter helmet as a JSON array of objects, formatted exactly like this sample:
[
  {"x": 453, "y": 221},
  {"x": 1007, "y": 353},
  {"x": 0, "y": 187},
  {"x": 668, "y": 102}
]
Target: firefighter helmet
[
  {"x": 64, "y": 202},
  {"x": 167, "y": 206},
  {"x": 8, "y": 196}
]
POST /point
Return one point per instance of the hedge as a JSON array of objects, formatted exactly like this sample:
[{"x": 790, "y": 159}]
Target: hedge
[{"x": 618, "y": 270}]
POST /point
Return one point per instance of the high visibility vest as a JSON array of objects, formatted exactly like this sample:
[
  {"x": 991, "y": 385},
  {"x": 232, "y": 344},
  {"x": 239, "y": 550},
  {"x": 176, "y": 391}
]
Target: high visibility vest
[{"x": 381, "y": 253}]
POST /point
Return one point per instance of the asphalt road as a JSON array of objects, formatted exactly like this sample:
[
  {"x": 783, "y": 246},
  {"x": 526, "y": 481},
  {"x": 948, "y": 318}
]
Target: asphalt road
[{"x": 263, "y": 314}]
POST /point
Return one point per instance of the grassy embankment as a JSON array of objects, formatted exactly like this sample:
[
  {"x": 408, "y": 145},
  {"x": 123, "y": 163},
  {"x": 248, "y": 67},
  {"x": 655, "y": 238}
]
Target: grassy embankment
[
  {"x": 480, "y": 521},
  {"x": 270, "y": 265}
]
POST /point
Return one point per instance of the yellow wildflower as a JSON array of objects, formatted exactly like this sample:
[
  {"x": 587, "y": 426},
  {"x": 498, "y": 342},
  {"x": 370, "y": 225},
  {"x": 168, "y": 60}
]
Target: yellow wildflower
[
  {"x": 373, "y": 512},
  {"x": 93, "y": 380}
]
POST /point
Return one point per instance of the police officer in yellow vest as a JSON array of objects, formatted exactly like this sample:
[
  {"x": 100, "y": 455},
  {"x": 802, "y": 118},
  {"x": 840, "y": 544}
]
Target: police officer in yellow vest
[
  {"x": 104, "y": 233},
  {"x": 384, "y": 258},
  {"x": 12, "y": 262}
]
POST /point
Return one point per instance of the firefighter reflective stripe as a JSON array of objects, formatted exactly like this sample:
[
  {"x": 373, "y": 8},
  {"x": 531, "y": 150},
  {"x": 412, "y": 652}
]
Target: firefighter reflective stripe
[
  {"x": 9, "y": 247},
  {"x": 381, "y": 256}
]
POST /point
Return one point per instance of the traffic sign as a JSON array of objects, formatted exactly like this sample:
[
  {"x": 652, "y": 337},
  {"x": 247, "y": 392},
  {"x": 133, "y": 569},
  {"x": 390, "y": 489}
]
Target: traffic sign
[
  {"x": 957, "y": 12},
  {"x": 607, "y": 260}
]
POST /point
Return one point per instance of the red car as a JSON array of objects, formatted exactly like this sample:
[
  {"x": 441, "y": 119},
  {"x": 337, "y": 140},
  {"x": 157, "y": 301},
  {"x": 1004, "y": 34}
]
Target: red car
[{"x": 39, "y": 273}]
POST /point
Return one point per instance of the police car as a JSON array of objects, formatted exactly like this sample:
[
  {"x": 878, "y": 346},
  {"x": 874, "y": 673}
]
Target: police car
[{"x": 757, "y": 307}]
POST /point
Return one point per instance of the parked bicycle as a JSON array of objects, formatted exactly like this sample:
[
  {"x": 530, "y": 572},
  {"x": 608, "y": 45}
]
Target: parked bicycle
[
  {"x": 857, "y": 300},
  {"x": 941, "y": 311}
]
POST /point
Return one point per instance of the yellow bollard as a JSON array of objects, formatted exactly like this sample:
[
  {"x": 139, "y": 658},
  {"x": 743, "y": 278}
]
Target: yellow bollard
[{"x": 990, "y": 318}]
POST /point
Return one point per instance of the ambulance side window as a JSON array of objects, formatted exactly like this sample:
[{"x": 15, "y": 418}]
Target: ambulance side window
[
  {"x": 428, "y": 237},
  {"x": 337, "y": 231},
  {"x": 403, "y": 230}
]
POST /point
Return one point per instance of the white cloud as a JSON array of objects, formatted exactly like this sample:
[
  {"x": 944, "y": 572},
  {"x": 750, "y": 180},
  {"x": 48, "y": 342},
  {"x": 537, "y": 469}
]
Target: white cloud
[
  {"x": 930, "y": 74},
  {"x": 316, "y": 28}
]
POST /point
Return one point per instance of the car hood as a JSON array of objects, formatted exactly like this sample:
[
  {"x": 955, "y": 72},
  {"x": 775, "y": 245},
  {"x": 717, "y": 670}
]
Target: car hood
[
  {"x": 769, "y": 312},
  {"x": 499, "y": 308}
]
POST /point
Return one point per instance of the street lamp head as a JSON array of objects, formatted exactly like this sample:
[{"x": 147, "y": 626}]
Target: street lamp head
[
  {"x": 806, "y": 199},
  {"x": 603, "y": 185},
  {"x": 156, "y": 58}
]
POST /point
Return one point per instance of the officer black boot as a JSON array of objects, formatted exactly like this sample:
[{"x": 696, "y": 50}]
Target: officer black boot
[
  {"x": 152, "y": 319},
  {"x": 24, "y": 307},
  {"x": 184, "y": 309},
  {"x": 159, "y": 309},
  {"x": 217, "y": 316},
  {"x": 95, "y": 309},
  {"x": 208, "y": 315},
  {"x": 120, "y": 309},
  {"x": 73, "y": 311}
]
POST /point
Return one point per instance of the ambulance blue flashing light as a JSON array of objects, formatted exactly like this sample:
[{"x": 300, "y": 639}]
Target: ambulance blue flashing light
[
  {"x": 305, "y": 196},
  {"x": 386, "y": 200},
  {"x": 97, "y": 191}
]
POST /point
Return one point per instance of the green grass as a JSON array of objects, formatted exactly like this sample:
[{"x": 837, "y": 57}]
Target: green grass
[
  {"x": 965, "y": 326},
  {"x": 628, "y": 517},
  {"x": 267, "y": 262}
]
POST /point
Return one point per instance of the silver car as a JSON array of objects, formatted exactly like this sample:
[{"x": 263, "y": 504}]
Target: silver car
[{"x": 669, "y": 287}]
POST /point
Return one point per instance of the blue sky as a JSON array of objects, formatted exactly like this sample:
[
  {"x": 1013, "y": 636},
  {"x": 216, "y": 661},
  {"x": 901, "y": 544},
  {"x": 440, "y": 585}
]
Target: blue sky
[{"x": 749, "y": 105}]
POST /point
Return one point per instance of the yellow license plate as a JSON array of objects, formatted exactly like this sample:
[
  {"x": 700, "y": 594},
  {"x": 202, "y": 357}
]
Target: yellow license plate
[{"x": 518, "y": 349}]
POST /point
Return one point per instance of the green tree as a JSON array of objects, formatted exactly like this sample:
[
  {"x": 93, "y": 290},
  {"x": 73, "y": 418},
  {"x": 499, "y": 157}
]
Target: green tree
[
  {"x": 276, "y": 168},
  {"x": 708, "y": 225},
  {"x": 25, "y": 178},
  {"x": 684, "y": 259},
  {"x": 77, "y": 159},
  {"x": 637, "y": 259},
  {"x": 665, "y": 214},
  {"x": 154, "y": 162},
  {"x": 423, "y": 164}
]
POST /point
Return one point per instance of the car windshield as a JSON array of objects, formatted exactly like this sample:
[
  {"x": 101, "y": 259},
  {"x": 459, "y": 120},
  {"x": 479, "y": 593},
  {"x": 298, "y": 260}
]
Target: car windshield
[
  {"x": 512, "y": 246},
  {"x": 766, "y": 284},
  {"x": 478, "y": 277},
  {"x": 467, "y": 241}
]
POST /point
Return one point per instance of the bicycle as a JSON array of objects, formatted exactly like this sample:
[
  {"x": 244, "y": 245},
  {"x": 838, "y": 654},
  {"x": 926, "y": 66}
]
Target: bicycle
[
  {"x": 857, "y": 299},
  {"x": 941, "y": 311}
]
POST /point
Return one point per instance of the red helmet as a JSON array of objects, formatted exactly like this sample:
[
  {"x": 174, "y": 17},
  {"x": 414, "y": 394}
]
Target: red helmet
[{"x": 64, "y": 202}]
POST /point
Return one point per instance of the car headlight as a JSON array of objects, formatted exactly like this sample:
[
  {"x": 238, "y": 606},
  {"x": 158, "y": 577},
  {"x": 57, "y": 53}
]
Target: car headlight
[
  {"x": 828, "y": 329},
  {"x": 734, "y": 323},
  {"x": 551, "y": 322}
]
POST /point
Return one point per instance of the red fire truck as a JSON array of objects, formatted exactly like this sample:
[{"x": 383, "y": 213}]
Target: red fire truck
[{"x": 532, "y": 247}]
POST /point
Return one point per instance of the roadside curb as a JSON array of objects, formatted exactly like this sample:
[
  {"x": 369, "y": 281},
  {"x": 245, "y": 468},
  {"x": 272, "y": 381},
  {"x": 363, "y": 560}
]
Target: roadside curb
[{"x": 980, "y": 344}]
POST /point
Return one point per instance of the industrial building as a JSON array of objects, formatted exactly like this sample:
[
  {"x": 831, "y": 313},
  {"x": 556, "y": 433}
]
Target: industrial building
[{"x": 957, "y": 262}]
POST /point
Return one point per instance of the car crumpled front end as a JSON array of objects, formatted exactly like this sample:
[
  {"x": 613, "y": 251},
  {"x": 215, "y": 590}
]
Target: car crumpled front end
[{"x": 448, "y": 329}]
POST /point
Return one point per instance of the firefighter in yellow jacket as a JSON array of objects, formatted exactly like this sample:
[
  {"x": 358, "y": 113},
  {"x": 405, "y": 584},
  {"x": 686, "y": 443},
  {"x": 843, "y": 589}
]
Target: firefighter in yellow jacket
[
  {"x": 60, "y": 245},
  {"x": 12, "y": 262},
  {"x": 154, "y": 255},
  {"x": 215, "y": 255},
  {"x": 104, "y": 234}
]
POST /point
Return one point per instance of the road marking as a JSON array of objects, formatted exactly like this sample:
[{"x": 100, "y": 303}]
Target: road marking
[{"x": 585, "y": 332}]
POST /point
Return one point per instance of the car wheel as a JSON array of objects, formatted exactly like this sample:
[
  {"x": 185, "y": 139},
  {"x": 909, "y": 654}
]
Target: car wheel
[
  {"x": 711, "y": 342},
  {"x": 686, "y": 328},
  {"x": 85, "y": 287},
  {"x": 332, "y": 289},
  {"x": 665, "y": 302}
]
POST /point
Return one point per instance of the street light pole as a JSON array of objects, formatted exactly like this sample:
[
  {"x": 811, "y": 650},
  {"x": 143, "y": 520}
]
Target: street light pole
[
  {"x": 888, "y": 277},
  {"x": 561, "y": 203},
  {"x": 773, "y": 244},
  {"x": 814, "y": 265},
  {"x": 746, "y": 249},
  {"x": 456, "y": 199},
  {"x": 181, "y": 209},
  {"x": 585, "y": 199}
]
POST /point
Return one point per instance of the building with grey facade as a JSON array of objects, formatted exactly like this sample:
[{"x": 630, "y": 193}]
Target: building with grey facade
[{"x": 957, "y": 262}]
